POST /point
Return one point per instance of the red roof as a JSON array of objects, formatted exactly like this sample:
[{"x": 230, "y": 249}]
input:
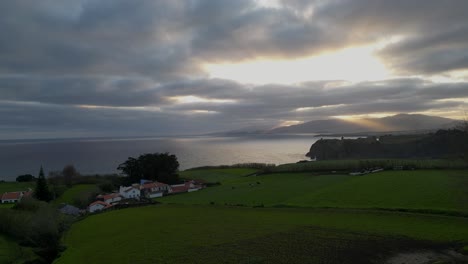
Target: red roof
[
  {"x": 151, "y": 185},
  {"x": 179, "y": 189},
  {"x": 106, "y": 205},
  {"x": 109, "y": 196},
  {"x": 11, "y": 196}
]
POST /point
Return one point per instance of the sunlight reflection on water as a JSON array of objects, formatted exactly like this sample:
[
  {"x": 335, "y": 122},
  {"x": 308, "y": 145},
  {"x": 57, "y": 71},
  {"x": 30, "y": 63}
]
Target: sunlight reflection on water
[{"x": 104, "y": 155}]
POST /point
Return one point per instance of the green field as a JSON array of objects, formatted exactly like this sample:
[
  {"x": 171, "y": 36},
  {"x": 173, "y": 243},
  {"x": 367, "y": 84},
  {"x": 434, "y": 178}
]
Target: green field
[
  {"x": 15, "y": 186},
  {"x": 356, "y": 164},
  {"x": 8, "y": 250},
  {"x": 269, "y": 190},
  {"x": 6, "y": 205},
  {"x": 11, "y": 252},
  {"x": 214, "y": 234},
  {"x": 74, "y": 192},
  {"x": 219, "y": 225},
  {"x": 438, "y": 190},
  {"x": 216, "y": 175}
]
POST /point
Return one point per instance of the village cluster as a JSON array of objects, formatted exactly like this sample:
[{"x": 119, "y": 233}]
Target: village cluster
[
  {"x": 144, "y": 189},
  {"x": 138, "y": 191}
]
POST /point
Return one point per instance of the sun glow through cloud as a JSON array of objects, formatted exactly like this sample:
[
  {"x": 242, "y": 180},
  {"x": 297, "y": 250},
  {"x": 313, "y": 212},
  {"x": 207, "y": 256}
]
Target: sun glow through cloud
[
  {"x": 351, "y": 64},
  {"x": 190, "y": 99}
]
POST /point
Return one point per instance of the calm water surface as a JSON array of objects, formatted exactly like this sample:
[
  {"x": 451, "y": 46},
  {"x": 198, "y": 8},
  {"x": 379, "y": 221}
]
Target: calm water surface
[{"x": 92, "y": 156}]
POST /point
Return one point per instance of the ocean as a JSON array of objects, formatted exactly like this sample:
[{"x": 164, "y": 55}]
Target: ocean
[{"x": 103, "y": 155}]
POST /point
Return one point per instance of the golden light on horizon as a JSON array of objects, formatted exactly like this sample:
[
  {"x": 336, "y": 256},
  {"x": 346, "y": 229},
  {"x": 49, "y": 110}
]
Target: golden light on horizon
[
  {"x": 351, "y": 64},
  {"x": 196, "y": 99},
  {"x": 290, "y": 123},
  {"x": 364, "y": 116},
  {"x": 366, "y": 121}
]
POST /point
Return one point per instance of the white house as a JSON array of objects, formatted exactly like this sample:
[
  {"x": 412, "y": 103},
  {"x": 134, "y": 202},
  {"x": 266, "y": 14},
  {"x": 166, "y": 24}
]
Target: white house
[
  {"x": 130, "y": 192},
  {"x": 154, "y": 189},
  {"x": 12, "y": 197},
  {"x": 98, "y": 206}
]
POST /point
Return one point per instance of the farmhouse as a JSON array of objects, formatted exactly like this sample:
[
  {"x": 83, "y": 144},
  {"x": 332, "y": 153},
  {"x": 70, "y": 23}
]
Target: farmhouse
[
  {"x": 130, "y": 192},
  {"x": 12, "y": 197},
  {"x": 154, "y": 189},
  {"x": 98, "y": 206},
  {"x": 110, "y": 198}
]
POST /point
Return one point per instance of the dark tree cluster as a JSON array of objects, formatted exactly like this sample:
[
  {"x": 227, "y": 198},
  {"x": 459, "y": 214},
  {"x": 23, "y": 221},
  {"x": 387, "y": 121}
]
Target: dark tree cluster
[
  {"x": 25, "y": 178},
  {"x": 161, "y": 167}
]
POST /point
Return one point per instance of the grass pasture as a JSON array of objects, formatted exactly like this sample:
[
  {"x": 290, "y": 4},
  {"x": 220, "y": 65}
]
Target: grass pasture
[
  {"x": 11, "y": 252},
  {"x": 267, "y": 190},
  {"x": 355, "y": 164},
  {"x": 75, "y": 192},
  {"x": 8, "y": 250},
  {"x": 216, "y": 175},
  {"x": 437, "y": 190},
  {"x": 220, "y": 224},
  {"x": 15, "y": 186},
  {"x": 6, "y": 205},
  {"x": 220, "y": 234}
]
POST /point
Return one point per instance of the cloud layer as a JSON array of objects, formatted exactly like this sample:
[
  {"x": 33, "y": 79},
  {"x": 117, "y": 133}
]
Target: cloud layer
[{"x": 84, "y": 68}]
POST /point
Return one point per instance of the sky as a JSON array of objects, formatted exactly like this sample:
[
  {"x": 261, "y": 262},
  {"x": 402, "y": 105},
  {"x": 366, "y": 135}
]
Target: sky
[{"x": 84, "y": 68}]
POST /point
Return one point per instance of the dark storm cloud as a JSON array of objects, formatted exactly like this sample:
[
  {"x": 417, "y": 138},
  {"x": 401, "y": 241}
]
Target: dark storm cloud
[
  {"x": 105, "y": 37},
  {"x": 129, "y": 58},
  {"x": 318, "y": 100},
  {"x": 261, "y": 105},
  {"x": 32, "y": 120},
  {"x": 167, "y": 40},
  {"x": 80, "y": 91}
]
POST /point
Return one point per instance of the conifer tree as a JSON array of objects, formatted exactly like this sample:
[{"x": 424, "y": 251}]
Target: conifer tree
[{"x": 42, "y": 189}]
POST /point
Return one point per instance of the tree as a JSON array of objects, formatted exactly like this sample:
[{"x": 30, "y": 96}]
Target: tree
[
  {"x": 69, "y": 172},
  {"x": 42, "y": 189},
  {"x": 25, "y": 178},
  {"x": 160, "y": 167}
]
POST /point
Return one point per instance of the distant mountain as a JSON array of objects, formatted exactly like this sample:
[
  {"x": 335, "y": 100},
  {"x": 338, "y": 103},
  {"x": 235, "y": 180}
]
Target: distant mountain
[{"x": 396, "y": 123}]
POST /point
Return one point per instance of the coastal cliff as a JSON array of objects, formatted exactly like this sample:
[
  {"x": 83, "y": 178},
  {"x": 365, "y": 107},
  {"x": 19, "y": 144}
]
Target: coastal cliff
[{"x": 442, "y": 144}]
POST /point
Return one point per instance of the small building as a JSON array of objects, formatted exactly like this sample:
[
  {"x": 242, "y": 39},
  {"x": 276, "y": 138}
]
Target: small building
[
  {"x": 189, "y": 186},
  {"x": 110, "y": 198},
  {"x": 179, "y": 188},
  {"x": 12, "y": 197},
  {"x": 194, "y": 185},
  {"x": 154, "y": 189},
  {"x": 98, "y": 206},
  {"x": 130, "y": 192}
]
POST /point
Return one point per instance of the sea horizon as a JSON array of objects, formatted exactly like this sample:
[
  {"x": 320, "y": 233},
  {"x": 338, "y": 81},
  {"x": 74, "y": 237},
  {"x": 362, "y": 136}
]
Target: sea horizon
[{"x": 102, "y": 155}]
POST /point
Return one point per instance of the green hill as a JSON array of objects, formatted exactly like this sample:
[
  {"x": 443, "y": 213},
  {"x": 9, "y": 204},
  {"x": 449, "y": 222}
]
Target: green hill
[
  {"x": 15, "y": 186},
  {"x": 75, "y": 192}
]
